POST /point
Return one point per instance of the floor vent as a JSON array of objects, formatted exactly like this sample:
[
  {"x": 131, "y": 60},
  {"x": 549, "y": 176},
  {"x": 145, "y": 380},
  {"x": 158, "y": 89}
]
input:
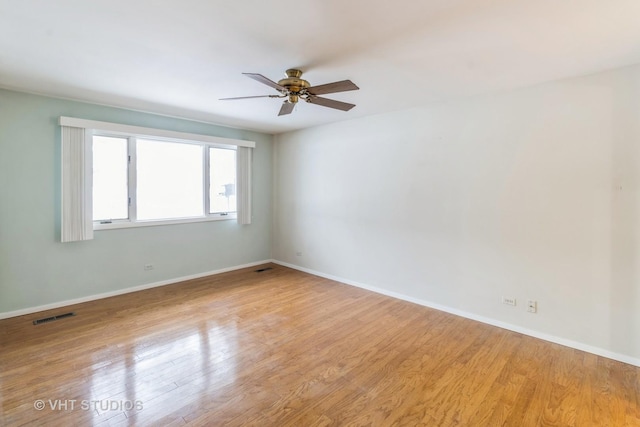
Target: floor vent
[
  {"x": 260, "y": 270},
  {"x": 52, "y": 318}
]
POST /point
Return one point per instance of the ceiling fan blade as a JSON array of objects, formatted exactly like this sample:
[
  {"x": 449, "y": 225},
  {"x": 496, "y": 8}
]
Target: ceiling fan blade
[
  {"x": 331, "y": 103},
  {"x": 287, "y": 108},
  {"x": 249, "y": 97},
  {"x": 341, "y": 86},
  {"x": 262, "y": 79}
]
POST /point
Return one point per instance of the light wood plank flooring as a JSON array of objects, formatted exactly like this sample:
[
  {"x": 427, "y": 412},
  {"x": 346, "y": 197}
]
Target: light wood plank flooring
[{"x": 284, "y": 348}]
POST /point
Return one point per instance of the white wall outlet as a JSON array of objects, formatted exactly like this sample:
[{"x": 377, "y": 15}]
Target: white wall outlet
[
  {"x": 509, "y": 300},
  {"x": 532, "y": 306},
  {"x": 298, "y": 253},
  {"x": 148, "y": 267}
]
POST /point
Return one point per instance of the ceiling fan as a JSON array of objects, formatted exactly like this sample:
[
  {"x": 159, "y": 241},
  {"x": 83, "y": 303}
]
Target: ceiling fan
[{"x": 294, "y": 88}]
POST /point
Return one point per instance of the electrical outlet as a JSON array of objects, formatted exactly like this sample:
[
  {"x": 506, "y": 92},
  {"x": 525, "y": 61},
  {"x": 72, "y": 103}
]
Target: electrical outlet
[
  {"x": 148, "y": 267},
  {"x": 298, "y": 253},
  {"x": 532, "y": 306},
  {"x": 508, "y": 300}
]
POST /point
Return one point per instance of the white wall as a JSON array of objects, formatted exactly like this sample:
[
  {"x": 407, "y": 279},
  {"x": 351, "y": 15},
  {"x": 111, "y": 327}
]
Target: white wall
[{"x": 531, "y": 194}]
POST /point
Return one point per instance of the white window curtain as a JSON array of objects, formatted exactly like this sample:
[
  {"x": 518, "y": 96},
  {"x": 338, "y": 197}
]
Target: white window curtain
[
  {"x": 243, "y": 170},
  {"x": 77, "y": 216}
]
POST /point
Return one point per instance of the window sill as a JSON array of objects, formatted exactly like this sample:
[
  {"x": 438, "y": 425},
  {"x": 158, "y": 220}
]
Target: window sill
[{"x": 153, "y": 223}]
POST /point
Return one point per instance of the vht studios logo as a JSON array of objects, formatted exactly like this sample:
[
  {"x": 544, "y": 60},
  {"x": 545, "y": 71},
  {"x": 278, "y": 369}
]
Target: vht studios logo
[{"x": 88, "y": 405}]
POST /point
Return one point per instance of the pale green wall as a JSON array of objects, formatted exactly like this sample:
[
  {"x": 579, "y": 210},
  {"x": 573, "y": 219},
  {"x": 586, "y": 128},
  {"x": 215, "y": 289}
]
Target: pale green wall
[{"x": 36, "y": 269}]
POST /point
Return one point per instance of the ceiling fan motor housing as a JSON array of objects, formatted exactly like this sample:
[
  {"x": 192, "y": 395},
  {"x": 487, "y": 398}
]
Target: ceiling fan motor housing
[{"x": 294, "y": 84}]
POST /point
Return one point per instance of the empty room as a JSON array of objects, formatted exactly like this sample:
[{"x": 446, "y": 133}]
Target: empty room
[{"x": 320, "y": 213}]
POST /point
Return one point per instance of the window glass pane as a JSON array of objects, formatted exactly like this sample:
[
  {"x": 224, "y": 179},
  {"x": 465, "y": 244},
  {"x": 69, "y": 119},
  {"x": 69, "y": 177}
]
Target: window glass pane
[
  {"x": 170, "y": 181},
  {"x": 222, "y": 176},
  {"x": 110, "y": 192}
]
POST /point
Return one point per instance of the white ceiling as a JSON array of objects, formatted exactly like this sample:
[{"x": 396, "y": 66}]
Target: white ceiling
[{"x": 179, "y": 57}]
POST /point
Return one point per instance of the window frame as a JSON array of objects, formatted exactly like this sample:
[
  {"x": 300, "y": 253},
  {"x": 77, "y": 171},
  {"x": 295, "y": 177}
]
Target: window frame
[
  {"x": 91, "y": 165},
  {"x": 92, "y": 127},
  {"x": 208, "y": 179},
  {"x": 76, "y": 187},
  {"x": 132, "y": 220}
]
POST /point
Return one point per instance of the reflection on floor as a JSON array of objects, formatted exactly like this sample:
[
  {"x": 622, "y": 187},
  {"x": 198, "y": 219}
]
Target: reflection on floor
[{"x": 281, "y": 347}]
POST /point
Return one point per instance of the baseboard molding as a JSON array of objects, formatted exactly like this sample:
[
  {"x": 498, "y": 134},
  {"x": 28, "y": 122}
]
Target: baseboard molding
[
  {"x": 59, "y": 304},
  {"x": 493, "y": 322}
]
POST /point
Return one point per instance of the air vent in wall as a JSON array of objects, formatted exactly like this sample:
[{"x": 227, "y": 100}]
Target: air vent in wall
[{"x": 52, "y": 318}]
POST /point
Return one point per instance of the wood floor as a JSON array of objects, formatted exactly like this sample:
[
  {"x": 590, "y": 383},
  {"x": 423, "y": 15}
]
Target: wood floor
[{"x": 284, "y": 348}]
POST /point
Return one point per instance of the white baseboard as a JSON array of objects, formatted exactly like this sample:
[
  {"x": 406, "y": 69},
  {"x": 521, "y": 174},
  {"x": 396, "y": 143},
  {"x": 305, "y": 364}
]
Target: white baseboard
[
  {"x": 59, "y": 304},
  {"x": 530, "y": 332}
]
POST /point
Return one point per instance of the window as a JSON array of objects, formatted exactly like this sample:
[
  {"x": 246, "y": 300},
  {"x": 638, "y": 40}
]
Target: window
[
  {"x": 116, "y": 176},
  {"x": 169, "y": 179},
  {"x": 138, "y": 180},
  {"x": 110, "y": 183},
  {"x": 222, "y": 180}
]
